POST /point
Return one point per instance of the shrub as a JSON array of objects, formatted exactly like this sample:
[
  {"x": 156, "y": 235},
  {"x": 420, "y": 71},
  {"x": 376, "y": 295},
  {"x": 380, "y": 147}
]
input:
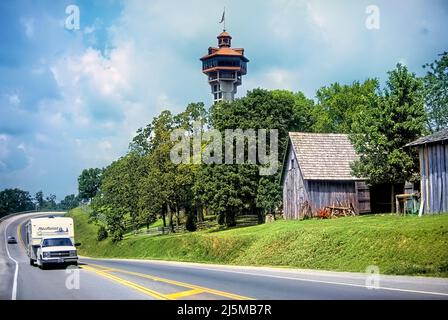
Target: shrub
[
  {"x": 102, "y": 233},
  {"x": 117, "y": 236}
]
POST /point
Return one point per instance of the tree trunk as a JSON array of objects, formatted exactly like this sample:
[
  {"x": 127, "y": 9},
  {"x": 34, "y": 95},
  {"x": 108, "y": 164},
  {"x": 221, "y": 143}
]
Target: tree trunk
[
  {"x": 177, "y": 216},
  {"x": 199, "y": 213},
  {"x": 195, "y": 212},
  {"x": 230, "y": 218},
  {"x": 164, "y": 217},
  {"x": 170, "y": 215},
  {"x": 392, "y": 198}
]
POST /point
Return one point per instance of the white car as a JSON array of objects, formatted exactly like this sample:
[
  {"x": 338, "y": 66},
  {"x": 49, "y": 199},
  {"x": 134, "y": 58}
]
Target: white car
[{"x": 56, "y": 250}]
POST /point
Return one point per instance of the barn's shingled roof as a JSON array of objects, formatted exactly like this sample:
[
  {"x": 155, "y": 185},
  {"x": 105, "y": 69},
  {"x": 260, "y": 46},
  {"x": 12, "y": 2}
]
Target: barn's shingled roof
[
  {"x": 441, "y": 135},
  {"x": 324, "y": 156}
]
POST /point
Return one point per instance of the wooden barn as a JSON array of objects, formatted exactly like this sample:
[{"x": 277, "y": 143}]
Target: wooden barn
[
  {"x": 433, "y": 154},
  {"x": 317, "y": 174}
]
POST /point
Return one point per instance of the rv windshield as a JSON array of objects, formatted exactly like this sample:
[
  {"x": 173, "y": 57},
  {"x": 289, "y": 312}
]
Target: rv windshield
[{"x": 57, "y": 242}]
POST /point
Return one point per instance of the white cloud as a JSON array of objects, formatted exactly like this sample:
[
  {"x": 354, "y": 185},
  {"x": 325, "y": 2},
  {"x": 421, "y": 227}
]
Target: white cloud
[
  {"x": 13, "y": 99},
  {"x": 13, "y": 156},
  {"x": 3, "y": 148},
  {"x": 88, "y": 30},
  {"x": 274, "y": 78},
  {"x": 28, "y": 24},
  {"x": 42, "y": 138}
]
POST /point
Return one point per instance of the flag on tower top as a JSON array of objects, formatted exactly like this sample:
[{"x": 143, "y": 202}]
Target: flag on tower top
[{"x": 223, "y": 16}]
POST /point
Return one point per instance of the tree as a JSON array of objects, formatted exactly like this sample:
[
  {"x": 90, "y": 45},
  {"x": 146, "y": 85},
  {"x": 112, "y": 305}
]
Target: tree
[
  {"x": 89, "y": 183},
  {"x": 436, "y": 93},
  {"x": 194, "y": 120},
  {"x": 381, "y": 131},
  {"x": 150, "y": 201},
  {"x": 40, "y": 199},
  {"x": 119, "y": 192},
  {"x": 228, "y": 190},
  {"x": 338, "y": 104},
  {"x": 162, "y": 168},
  {"x": 15, "y": 200},
  {"x": 269, "y": 195},
  {"x": 69, "y": 202},
  {"x": 50, "y": 203},
  {"x": 107, "y": 214},
  {"x": 140, "y": 144}
]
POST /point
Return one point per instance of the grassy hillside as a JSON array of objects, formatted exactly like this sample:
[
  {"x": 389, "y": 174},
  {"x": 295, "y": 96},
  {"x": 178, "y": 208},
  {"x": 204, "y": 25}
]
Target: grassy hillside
[{"x": 397, "y": 245}]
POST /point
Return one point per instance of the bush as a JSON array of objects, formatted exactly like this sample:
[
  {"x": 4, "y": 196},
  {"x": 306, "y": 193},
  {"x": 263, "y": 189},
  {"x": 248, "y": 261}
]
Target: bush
[
  {"x": 117, "y": 236},
  {"x": 102, "y": 233}
]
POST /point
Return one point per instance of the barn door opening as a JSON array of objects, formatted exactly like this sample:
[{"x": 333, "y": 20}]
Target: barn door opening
[{"x": 363, "y": 197}]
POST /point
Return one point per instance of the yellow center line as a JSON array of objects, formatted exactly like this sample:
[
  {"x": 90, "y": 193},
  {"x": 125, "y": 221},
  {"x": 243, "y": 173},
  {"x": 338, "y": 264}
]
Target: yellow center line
[
  {"x": 183, "y": 284},
  {"x": 107, "y": 270},
  {"x": 184, "y": 293},
  {"x": 19, "y": 234},
  {"x": 129, "y": 284}
]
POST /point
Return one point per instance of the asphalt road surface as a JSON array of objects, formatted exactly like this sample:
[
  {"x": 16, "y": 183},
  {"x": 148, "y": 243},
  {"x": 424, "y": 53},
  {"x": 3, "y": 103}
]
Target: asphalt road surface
[{"x": 133, "y": 279}]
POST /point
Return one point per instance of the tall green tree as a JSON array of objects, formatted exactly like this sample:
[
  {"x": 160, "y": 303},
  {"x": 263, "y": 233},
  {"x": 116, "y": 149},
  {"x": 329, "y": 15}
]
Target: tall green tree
[
  {"x": 39, "y": 197},
  {"x": 50, "y": 203},
  {"x": 381, "y": 131},
  {"x": 119, "y": 190},
  {"x": 228, "y": 190},
  {"x": 141, "y": 143},
  {"x": 194, "y": 120},
  {"x": 89, "y": 183},
  {"x": 106, "y": 214},
  {"x": 70, "y": 201},
  {"x": 163, "y": 168},
  {"x": 338, "y": 105},
  {"x": 436, "y": 92},
  {"x": 15, "y": 200}
]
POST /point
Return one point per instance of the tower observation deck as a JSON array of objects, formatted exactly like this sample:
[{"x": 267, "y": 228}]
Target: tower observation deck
[{"x": 224, "y": 67}]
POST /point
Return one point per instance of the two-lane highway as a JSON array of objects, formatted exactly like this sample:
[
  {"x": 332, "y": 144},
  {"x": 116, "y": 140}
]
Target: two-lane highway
[{"x": 137, "y": 279}]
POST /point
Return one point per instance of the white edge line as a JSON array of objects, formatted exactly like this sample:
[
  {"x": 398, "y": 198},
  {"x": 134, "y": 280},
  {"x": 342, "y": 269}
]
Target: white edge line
[{"x": 16, "y": 273}]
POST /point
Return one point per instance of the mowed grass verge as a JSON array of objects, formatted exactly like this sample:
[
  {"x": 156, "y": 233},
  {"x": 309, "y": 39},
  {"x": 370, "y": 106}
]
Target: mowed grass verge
[{"x": 397, "y": 245}]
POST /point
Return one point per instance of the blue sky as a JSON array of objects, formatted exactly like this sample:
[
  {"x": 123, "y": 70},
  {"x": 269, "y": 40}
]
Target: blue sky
[{"x": 73, "y": 99}]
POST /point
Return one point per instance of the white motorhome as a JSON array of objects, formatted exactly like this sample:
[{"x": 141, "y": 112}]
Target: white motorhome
[{"x": 51, "y": 240}]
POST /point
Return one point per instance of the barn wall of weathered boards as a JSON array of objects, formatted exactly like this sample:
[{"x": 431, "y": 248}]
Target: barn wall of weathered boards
[
  {"x": 316, "y": 174},
  {"x": 433, "y": 154}
]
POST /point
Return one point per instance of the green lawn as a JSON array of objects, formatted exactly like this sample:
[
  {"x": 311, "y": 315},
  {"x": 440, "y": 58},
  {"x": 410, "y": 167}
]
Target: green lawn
[{"x": 397, "y": 245}]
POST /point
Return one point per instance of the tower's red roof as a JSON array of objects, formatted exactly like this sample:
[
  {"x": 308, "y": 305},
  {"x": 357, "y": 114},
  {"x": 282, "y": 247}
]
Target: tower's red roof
[
  {"x": 224, "y": 34},
  {"x": 224, "y": 51}
]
